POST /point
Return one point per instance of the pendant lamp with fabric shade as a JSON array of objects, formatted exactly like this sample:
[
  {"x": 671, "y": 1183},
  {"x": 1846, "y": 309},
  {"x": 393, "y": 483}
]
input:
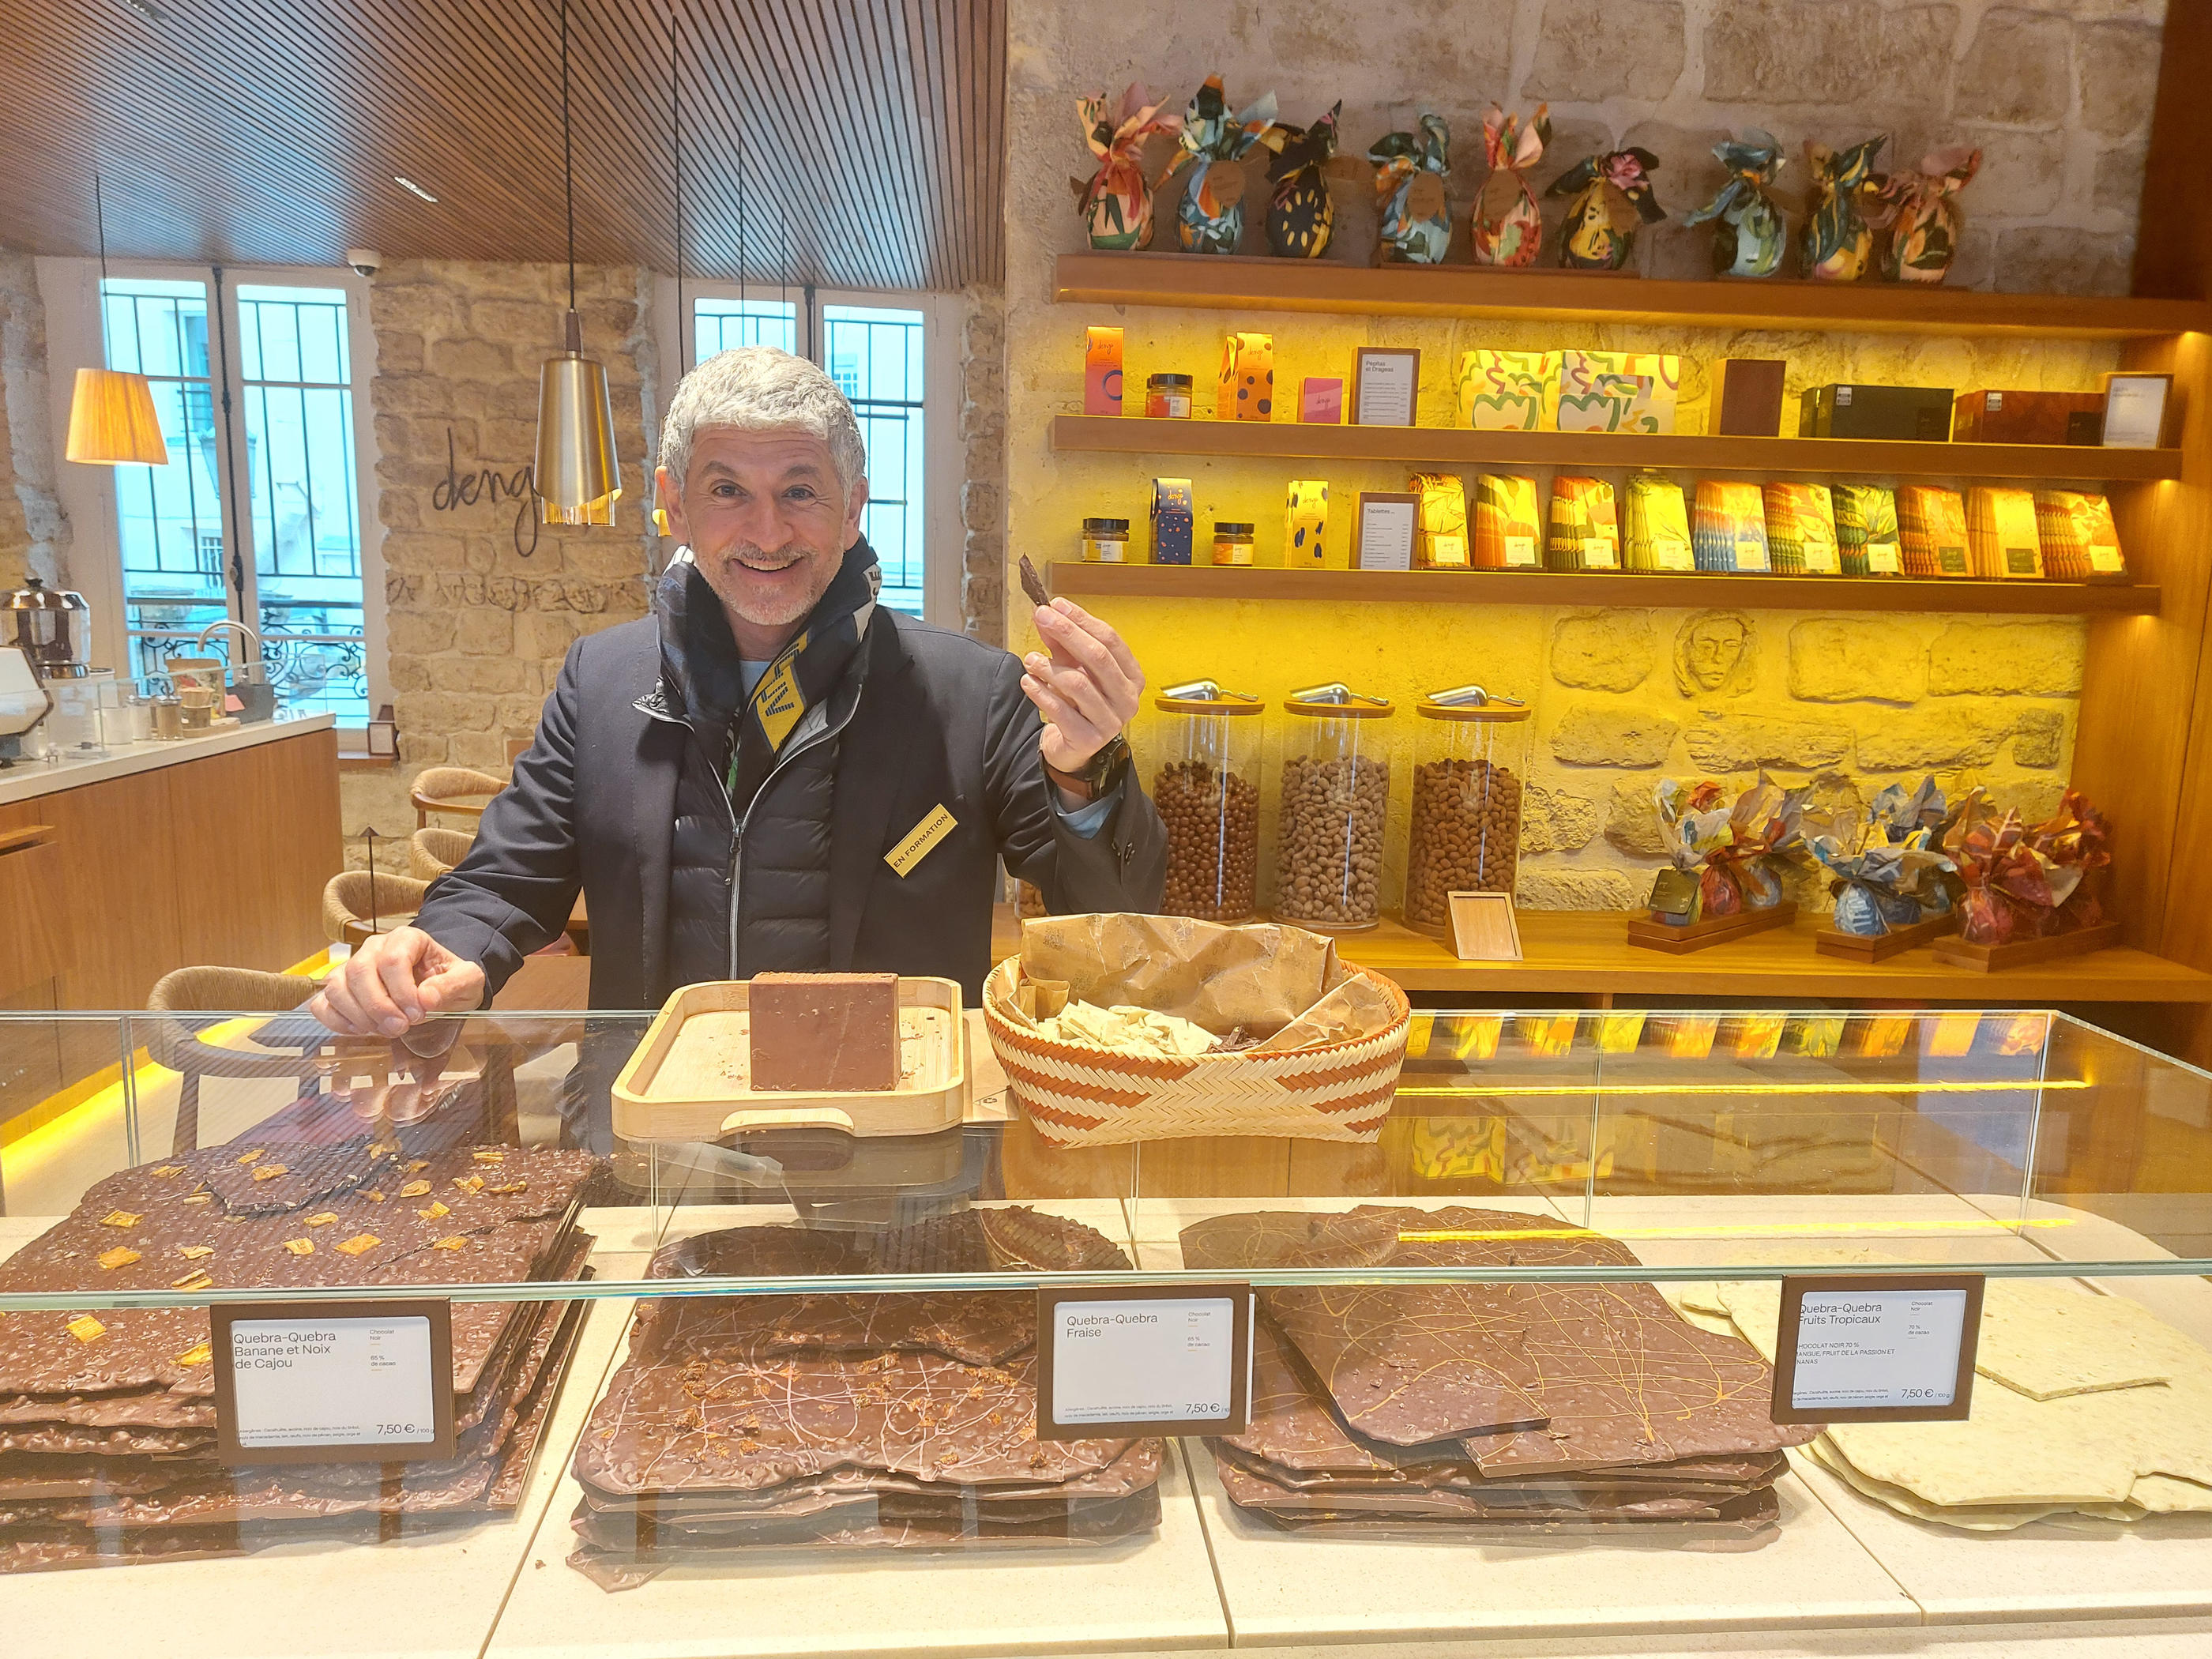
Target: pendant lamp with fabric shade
[
  {"x": 111, "y": 417},
  {"x": 577, "y": 477}
]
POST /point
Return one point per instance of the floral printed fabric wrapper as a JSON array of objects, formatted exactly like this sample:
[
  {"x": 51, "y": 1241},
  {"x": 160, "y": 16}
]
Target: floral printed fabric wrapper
[
  {"x": 1801, "y": 530},
  {"x": 1585, "y": 528},
  {"x": 1729, "y": 528},
  {"x": 1508, "y": 391},
  {"x": 1924, "y": 235},
  {"x": 1506, "y": 225},
  {"x": 1866, "y": 530},
  {"x": 1611, "y": 198},
  {"x": 1658, "y": 529},
  {"x": 1301, "y": 216},
  {"x": 1210, "y": 215},
  {"x": 1737, "y": 853},
  {"x": 1117, "y": 203},
  {"x": 1409, "y": 191},
  {"x": 1931, "y": 523},
  {"x": 2024, "y": 883},
  {"x": 1507, "y": 531},
  {"x": 1751, "y": 234},
  {"x": 2002, "y": 537},
  {"x": 1891, "y": 872},
  {"x": 1441, "y": 543},
  {"x": 1837, "y": 243},
  {"x": 1592, "y": 384},
  {"x": 2081, "y": 543}
]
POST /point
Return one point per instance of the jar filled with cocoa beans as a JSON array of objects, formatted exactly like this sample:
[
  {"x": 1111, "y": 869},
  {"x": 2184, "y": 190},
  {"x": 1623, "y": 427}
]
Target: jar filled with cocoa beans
[
  {"x": 1335, "y": 797},
  {"x": 1204, "y": 747},
  {"x": 1463, "y": 835}
]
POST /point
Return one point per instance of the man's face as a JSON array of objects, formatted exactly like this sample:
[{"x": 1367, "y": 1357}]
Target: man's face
[{"x": 765, "y": 519}]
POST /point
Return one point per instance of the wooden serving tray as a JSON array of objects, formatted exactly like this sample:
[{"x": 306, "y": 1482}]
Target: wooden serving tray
[
  {"x": 684, "y": 1081},
  {"x": 1858, "y": 947},
  {"x": 1651, "y": 935},
  {"x": 1995, "y": 958}
]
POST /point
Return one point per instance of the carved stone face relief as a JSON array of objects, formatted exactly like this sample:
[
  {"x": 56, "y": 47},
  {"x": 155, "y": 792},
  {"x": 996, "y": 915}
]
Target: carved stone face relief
[{"x": 1714, "y": 655}]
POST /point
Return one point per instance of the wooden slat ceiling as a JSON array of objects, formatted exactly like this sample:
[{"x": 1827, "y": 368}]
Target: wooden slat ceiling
[{"x": 270, "y": 131}]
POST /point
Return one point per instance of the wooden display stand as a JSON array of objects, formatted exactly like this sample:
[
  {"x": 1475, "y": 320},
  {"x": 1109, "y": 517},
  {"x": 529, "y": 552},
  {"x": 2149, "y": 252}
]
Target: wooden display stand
[
  {"x": 1651, "y": 935},
  {"x": 1858, "y": 947},
  {"x": 1995, "y": 958}
]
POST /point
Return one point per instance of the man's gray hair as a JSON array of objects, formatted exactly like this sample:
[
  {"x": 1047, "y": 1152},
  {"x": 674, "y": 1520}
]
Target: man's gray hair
[{"x": 763, "y": 389}]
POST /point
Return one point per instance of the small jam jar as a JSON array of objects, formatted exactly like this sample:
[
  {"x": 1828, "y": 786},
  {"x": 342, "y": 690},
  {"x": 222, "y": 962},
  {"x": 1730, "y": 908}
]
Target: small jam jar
[
  {"x": 1167, "y": 397},
  {"x": 1105, "y": 541},
  {"x": 1232, "y": 543}
]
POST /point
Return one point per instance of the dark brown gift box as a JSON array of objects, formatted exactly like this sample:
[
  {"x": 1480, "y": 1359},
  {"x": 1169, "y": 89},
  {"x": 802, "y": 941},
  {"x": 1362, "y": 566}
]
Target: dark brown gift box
[
  {"x": 1921, "y": 413},
  {"x": 1750, "y": 398},
  {"x": 2028, "y": 417}
]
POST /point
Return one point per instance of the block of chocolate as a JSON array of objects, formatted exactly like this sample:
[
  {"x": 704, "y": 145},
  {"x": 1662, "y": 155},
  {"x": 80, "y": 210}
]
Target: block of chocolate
[
  {"x": 827, "y": 1033},
  {"x": 1913, "y": 413}
]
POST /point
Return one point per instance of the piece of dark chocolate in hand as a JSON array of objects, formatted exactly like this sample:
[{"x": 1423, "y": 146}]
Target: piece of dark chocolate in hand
[{"x": 1032, "y": 584}]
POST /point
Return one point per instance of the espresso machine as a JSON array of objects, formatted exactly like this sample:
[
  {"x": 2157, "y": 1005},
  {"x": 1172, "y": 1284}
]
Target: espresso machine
[{"x": 52, "y": 629}]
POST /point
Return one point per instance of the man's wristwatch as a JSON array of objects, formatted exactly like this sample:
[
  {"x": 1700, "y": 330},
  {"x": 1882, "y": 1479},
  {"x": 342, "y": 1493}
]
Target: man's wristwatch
[{"x": 1100, "y": 776}]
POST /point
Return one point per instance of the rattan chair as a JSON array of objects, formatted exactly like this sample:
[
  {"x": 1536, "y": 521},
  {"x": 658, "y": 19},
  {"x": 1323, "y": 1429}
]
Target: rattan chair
[
  {"x": 431, "y": 852},
  {"x": 196, "y": 1000},
  {"x": 355, "y": 897},
  {"x": 455, "y": 790}
]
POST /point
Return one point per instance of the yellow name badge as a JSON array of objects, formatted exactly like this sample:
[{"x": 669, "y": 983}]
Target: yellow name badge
[{"x": 920, "y": 841}]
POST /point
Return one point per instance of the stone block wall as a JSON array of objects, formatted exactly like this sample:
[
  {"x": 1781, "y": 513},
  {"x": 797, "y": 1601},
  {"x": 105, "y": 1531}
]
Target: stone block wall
[
  {"x": 983, "y": 444},
  {"x": 34, "y": 532}
]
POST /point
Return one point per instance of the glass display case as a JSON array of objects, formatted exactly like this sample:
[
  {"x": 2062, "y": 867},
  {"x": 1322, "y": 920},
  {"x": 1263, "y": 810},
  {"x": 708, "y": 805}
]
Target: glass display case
[{"x": 1510, "y": 1369}]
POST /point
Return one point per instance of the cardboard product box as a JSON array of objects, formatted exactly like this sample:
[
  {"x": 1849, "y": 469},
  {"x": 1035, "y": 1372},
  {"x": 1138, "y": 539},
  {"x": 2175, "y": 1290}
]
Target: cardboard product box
[
  {"x": 1441, "y": 543},
  {"x": 1321, "y": 402},
  {"x": 2079, "y": 541},
  {"x": 1589, "y": 382},
  {"x": 1172, "y": 518},
  {"x": 2003, "y": 538},
  {"x": 1918, "y": 414},
  {"x": 1305, "y": 524},
  {"x": 1509, "y": 391},
  {"x": 1245, "y": 388},
  {"x": 1727, "y": 526},
  {"x": 2028, "y": 417},
  {"x": 1102, "y": 372},
  {"x": 1748, "y": 398},
  {"x": 1656, "y": 533}
]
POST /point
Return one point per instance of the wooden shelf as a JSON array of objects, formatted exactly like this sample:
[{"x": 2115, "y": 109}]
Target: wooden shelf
[
  {"x": 1215, "y": 283},
  {"x": 1919, "y": 596},
  {"x": 1453, "y": 447}
]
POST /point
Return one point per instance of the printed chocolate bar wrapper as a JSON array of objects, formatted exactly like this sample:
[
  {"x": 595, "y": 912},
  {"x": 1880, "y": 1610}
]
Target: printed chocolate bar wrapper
[
  {"x": 1440, "y": 541},
  {"x": 1801, "y": 530},
  {"x": 1604, "y": 403},
  {"x": 1172, "y": 519},
  {"x": 1590, "y": 380},
  {"x": 1611, "y": 196},
  {"x": 1305, "y": 524},
  {"x": 2081, "y": 543},
  {"x": 1750, "y": 237},
  {"x": 1728, "y": 530},
  {"x": 1931, "y": 527},
  {"x": 1321, "y": 402},
  {"x": 1866, "y": 531},
  {"x": 1210, "y": 213},
  {"x": 1506, "y": 226},
  {"x": 1244, "y": 390},
  {"x": 1923, "y": 236},
  {"x": 1509, "y": 391},
  {"x": 1117, "y": 203},
  {"x": 2002, "y": 536},
  {"x": 1658, "y": 536},
  {"x": 1585, "y": 534},
  {"x": 1409, "y": 191},
  {"x": 1102, "y": 371},
  {"x": 1837, "y": 243},
  {"x": 1301, "y": 216},
  {"x": 1507, "y": 531}
]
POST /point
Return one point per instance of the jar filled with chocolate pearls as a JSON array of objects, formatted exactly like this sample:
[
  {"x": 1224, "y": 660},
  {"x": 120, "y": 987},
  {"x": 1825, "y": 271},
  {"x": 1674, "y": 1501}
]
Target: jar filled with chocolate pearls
[
  {"x": 1464, "y": 834},
  {"x": 1335, "y": 797},
  {"x": 1205, "y": 742}
]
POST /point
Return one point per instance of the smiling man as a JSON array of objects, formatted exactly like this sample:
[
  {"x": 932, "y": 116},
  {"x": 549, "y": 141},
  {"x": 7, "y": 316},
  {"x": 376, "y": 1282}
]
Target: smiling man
[{"x": 771, "y": 772}]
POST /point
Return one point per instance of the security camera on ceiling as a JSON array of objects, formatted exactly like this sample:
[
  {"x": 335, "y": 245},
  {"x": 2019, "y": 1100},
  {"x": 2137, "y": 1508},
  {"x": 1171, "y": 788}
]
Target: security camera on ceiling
[{"x": 366, "y": 260}]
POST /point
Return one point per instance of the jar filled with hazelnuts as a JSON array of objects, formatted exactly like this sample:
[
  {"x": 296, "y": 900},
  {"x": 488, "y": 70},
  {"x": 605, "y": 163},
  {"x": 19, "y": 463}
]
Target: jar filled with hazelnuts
[
  {"x": 1463, "y": 835},
  {"x": 1205, "y": 745},
  {"x": 1335, "y": 797}
]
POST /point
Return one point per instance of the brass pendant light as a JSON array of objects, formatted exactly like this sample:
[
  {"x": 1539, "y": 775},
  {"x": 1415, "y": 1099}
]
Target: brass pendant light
[
  {"x": 577, "y": 477},
  {"x": 111, "y": 417},
  {"x": 676, "y": 166}
]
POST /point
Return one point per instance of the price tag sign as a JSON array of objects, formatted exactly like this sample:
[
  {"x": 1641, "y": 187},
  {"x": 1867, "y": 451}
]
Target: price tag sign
[
  {"x": 1877, "y": 1348},
  {"x": 1147, "y": 1359},
  {"x": 333, "y": 1382}
]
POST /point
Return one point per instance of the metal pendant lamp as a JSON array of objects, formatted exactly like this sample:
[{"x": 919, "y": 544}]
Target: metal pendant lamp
[
  {"x": 676, "y": 166},
  {"x": 577, "y": 476},
  {"x": 111, "y": 417}
]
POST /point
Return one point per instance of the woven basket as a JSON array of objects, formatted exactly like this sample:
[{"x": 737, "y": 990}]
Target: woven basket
[{"x": 1077, "y": 1095}]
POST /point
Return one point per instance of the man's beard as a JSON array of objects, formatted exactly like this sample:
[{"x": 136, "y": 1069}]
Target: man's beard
[{"x": 761, "y": 609}]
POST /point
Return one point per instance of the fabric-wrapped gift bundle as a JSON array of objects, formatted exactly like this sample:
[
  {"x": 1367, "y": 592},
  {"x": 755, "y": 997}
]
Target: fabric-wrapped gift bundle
[
  {"x": 107, "y": 1444},
  {"x": 850, "y": 1421}
]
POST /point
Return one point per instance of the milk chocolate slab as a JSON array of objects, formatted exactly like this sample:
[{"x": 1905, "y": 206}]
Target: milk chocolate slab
[
  {"x": 70, "y": 1440},
  {"x": 829, "y": 1033},
  {"x": 1247, "y": 1490},
  {"x": 144, "y": 1408}
]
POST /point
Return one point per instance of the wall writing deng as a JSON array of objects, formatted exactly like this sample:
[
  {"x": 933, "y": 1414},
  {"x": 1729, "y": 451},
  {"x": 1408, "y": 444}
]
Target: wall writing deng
[{"x": 455, "y": 491}]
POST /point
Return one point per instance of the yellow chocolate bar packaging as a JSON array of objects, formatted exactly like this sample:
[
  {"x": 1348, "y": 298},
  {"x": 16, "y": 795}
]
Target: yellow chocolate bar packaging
[
  {"x": 1658, "y": 532},
  {"x": 1585, "y": 531},
  {"x": 2002, "y": 537},
  {"x": 1305, "y": 524},
  {"x": 1507, "y": 530},
  {"x": 1244, "y": 390},
  {"x": 2079, "y": 541},
  {"x": 1931, "y": 524},
  {"x": 1509, "y": 391},
  {"x": 1729, "y": 529},
  {"x": 1440, "y": 541},
  {"x": 1801, "y": 530}
]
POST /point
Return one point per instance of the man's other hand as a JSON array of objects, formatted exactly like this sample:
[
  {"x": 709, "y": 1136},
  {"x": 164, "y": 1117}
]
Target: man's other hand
[
  {"x": 394, "y": 980},
  {"x": 1088, "y": 690}
]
